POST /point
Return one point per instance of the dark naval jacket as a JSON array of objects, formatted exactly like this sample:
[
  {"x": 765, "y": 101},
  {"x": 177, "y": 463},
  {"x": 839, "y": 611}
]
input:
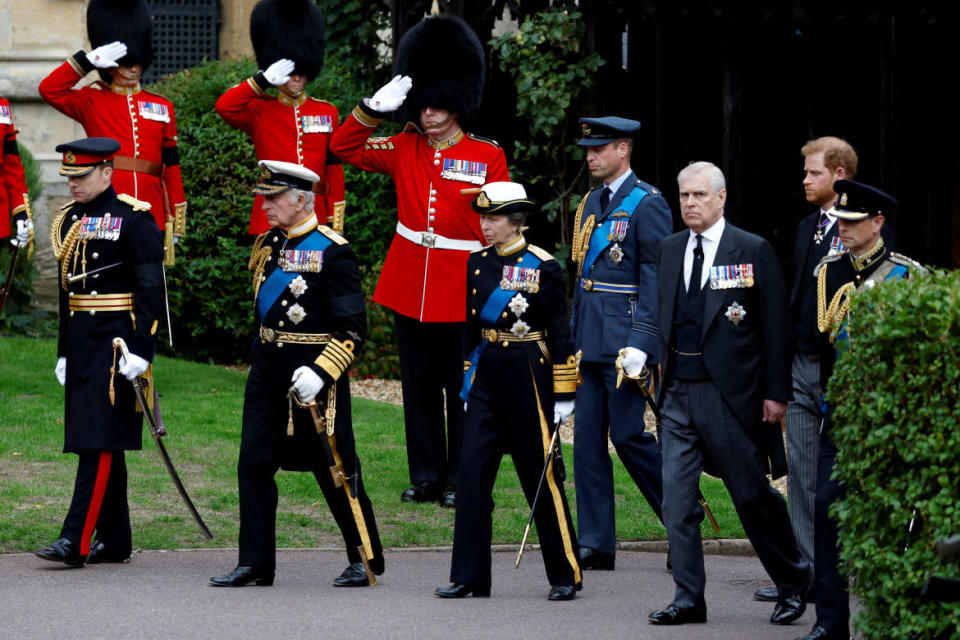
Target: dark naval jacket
[{"x": 126, "y": 300}]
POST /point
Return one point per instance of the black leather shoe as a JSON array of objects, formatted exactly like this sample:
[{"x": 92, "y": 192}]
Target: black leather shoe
[
  {"x": 562, "y": 592},
  {"x": 62, "y": 551},
  {"x": 819, "y": 633},
  {"x": 462, "y": 590},
  {"x": 673, "y": 615},
  {"x": 766, "y": 594},
  {"x": 593, "y": 559},
  {"x": 100, "y": 553},
  {"x": 353, "y": 576},
  {"x": 421, "y": 492},
  {"x": 242, "y": 576},
  {"x": 449, "y": 498},
  {"x": 790, "y": 608}
]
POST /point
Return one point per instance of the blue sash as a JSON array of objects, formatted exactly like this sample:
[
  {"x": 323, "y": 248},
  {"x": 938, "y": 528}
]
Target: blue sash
[
  {"x": 273, "y": 287},
  {"x": 494, "y": 306},
  {"x": 599, "y": 240}
]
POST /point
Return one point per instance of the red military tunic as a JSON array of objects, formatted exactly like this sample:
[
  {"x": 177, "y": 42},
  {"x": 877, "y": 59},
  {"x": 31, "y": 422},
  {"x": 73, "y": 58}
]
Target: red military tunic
[
  {"x": 418, "y": 281},
  {"x": 291, "y": 130},
  {"x": 13, "y": 184},
  {"x": 142, "y": 122}
]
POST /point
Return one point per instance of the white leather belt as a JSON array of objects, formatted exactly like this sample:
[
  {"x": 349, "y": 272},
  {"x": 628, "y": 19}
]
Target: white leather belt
[{"x": 434, "y": 241}]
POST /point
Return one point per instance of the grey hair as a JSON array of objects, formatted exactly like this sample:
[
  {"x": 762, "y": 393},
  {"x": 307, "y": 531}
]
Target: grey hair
[
  {"x": 517, "y": 217},
  {"x": 715, "y": 176},
  {"x": 308, "y": 197}
]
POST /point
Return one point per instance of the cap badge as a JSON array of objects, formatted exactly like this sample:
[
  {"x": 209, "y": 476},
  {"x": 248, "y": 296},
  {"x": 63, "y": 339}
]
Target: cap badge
[
  {"x": 483, "y": 201},
  {"x": 843, "y": 200},
  {"x": 586, "y": 129},
  {"x": 265, "y": 174},
  {"x": 70, "y": 158}
]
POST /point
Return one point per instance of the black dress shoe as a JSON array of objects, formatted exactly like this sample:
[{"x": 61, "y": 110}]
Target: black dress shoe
[
  {"x": 62, "y": 551},
  {"x": 242, "y": 576},
  {"x": 421, "y": 492},
  {"x": 593, "y": 559},
  {"x": 353, "y": 576},
  {"x": 673, "y": 615},
  {"x": 789, "y": 609},
  {"x": 766, "y": 594},
  {"x": 819, "y": 633},
  {"x": 448, "y": 498},
  {"x": 562, "y": 592},
  {"x": 100, "y": 553},
  {"x": 462, "y": 590}
]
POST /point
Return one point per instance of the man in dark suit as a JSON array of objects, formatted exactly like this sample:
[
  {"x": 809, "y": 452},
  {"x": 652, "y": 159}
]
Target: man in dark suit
[
  {"x": 724, "y": 346},
  {"x": 618, "y": 228}
]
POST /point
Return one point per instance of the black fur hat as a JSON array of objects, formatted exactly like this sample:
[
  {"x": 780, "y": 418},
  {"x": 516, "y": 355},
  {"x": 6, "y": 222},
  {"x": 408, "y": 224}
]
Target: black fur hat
[
  {"x": 127, "y": 21},
  {"x": 445, "y": 59},
  {"x": 292, "y": 29}
]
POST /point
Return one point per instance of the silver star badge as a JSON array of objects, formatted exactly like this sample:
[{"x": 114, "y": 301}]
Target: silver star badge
[
  {"x": 518, "y": 305},
  {"x": 735, "y": 313},
  {"x": 298, "y": 286},
  {"x": 520, "y": 328},
  {"x": 296, "y": 314}
]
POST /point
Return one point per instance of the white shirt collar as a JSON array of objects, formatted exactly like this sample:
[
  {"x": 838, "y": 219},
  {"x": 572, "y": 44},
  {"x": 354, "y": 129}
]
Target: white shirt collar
[
  {"x": 710, "y": 244},
  {"x": 616, "y": 184}
]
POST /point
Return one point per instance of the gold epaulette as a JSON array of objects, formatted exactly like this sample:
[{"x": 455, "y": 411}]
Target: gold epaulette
[
  {"x": 910, "y": 263},
  {"x": 138, "y": 205},
  {"x": 68, "y": 205},
  {"x": 565, "y": 376},
  {"x": 543, "y": 254},
  {"x": 330, "y": 233},
  {"x": 336, "y": 357},
  {"x": 489, "y": 141},
  {"x": 825, "y": 260}
]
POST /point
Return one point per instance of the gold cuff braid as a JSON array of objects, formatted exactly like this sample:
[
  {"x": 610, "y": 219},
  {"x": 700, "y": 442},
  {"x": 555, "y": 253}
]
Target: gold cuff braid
[
  {"x": 565, "y": 376},
  {"x": 336, "y": 357}
]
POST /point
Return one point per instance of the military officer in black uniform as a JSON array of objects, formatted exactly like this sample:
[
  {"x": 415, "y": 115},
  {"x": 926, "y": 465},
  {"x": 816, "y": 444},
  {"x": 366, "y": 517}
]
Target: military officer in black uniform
[
  {"x": 618, "y": 228},
  {"x": 312, "y": 318},
  {"x": 111, "y": 285},
  {"x": 520, "y": 373},
  {"x": 866, "y": 261}
]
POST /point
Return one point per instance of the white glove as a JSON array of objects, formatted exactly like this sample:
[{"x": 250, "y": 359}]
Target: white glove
[
  {"x": 61, "y": 371},
  {"x": 632, "y": 361},
  {"x": 24, "y": 227},
  {"x": 279, "y": 72},
  {"x": 306, "y": 383},
  {"x": 106, "y": 57},
  {"x": 134, "y": 368},
  {"x": 562, "y": 410},
  {"x": 390, "y": 96}
]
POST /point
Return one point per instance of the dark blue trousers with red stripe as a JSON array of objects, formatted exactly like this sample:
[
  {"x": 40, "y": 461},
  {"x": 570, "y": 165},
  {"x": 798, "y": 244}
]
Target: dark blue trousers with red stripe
[{"x": 99, "y": 503}]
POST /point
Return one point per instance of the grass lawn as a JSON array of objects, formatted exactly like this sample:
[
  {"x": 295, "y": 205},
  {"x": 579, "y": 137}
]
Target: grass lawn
[{"x": 202, "y": 408}]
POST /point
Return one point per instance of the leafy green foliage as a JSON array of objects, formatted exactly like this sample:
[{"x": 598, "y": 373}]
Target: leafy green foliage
[{"x": 897, "y": 398}]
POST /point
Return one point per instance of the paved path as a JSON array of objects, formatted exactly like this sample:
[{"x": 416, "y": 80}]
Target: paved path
[{"x": 165, "y": 595}]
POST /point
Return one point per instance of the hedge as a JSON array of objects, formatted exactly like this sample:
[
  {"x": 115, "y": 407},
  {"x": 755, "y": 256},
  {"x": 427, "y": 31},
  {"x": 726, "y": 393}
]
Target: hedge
[{"x": 897, "y": 397}]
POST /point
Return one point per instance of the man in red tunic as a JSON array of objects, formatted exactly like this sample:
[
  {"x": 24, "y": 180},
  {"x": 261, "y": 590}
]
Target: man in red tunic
[
  {"x": 422, "y": 278},
  {"x": 13, "y": 184},
  {"x": 147, "y": 166},
  {"x": 288, "y": 38}
]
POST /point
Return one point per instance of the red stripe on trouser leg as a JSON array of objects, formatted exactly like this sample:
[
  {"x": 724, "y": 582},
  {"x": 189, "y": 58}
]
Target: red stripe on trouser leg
[{"x": 99, "y": 488}]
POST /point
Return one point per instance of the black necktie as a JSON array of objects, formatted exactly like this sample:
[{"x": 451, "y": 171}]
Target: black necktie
[
  {"x": 693, "y": 290},
  {"x": 604, "y": 199}
]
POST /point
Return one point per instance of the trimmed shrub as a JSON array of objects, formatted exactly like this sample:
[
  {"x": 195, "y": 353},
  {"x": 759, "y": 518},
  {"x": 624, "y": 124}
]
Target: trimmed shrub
[{"x": 897, "y": 398}]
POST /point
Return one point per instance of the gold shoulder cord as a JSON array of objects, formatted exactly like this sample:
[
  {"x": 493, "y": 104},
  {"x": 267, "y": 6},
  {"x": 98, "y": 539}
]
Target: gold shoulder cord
[
  {"x": 575, "y": 248},
  {"x": 62, "y": 250},
  {"x": 258, "y": 260},
  {"x": 830, "y": 317}
]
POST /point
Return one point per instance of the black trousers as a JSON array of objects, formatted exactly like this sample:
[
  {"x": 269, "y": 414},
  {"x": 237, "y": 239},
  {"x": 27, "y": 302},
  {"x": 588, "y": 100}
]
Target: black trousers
[
  {"x": 697, "y": 427},
  {"x": 265, "y": 446},
  {"x": 510, "y": 411},
  {"x": 99, "y": 502},
  {"x": 431, "y": 364},
  {"x": 833, "y": 599}
]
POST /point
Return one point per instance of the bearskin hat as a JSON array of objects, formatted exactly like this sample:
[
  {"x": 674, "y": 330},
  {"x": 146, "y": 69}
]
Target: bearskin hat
[
  {"x": 445, "y": 59},
  {"x": 126, "y": 21},
  {"x": 292, "y": 29}
]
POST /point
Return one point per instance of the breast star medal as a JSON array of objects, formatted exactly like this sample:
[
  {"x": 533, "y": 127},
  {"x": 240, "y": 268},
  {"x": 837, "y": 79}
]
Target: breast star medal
[
  {"x": 616, "y": 253},
  {"x": 735, "y": 313}
]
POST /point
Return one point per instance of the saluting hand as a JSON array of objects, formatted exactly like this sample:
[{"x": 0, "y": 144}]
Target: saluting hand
[
  {"x": 390, "y": 96},
  {"x": 278, "y": 74},
  {"x": 106, "y": 57}
]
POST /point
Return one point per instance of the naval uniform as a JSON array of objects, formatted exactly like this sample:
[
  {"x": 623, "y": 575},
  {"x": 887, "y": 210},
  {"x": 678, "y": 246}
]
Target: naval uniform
[
  {"x": 615, "y": 306},
  {"x": 124, "y": 301},
  {"x": 311, "y": 313},
  {"x": 517, "y": 320},
  {"x": 422, "y": 276},
  {"x": 13, "y": 184},
  {"x": 288, "y": 129},
  {"x": 148, "y": 163}
]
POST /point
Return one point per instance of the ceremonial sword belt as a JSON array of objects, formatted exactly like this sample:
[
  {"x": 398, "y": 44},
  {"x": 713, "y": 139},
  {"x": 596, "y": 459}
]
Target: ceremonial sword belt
[
  {"x": 493, "y": 335},
  {"x": 94, "y": 302},
  {"x": 435, "y": 241},
  {"x": 596, "y": 286},
  {"x": 268, "y": 335}
]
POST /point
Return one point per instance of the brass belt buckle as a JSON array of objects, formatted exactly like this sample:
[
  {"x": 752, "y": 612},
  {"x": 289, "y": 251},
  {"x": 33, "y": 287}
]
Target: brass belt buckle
[
  {"x": 587, "y": 284},
  {"x": 428, "y": 239},
  {"x": 267, "y": 335},
  {"x": 489, "y": 335}
]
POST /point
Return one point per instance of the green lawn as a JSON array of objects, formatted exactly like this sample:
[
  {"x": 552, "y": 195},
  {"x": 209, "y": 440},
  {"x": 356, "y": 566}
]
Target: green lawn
[{"x": 202, "y": 407}]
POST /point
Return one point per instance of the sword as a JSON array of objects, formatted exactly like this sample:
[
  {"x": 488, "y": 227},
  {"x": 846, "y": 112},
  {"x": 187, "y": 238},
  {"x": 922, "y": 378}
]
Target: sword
[
  {"x": 156, "y": 432},
  {"x": 14, "y": 250},
  {"x": 536, "y": 496},
  {"x": 642, "y": 383},
  {"x": 81, "y": 276}
]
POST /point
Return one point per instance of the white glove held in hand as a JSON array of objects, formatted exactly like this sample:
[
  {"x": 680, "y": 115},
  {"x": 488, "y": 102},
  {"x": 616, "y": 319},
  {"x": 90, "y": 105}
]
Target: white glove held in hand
[
  {"x": 106, "y": 57},
  {"x": 61, "y": 371},
  {"x": 24, "y": 227},
  {"x": 562, "y": 410},
  {"x": 390, "y": 96},
  {"x": 632, "y": 361},
  {"x": 134, "y": 368},
  {"x": 306, "y": 383},
  {"x": 279, "y": 72}
]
